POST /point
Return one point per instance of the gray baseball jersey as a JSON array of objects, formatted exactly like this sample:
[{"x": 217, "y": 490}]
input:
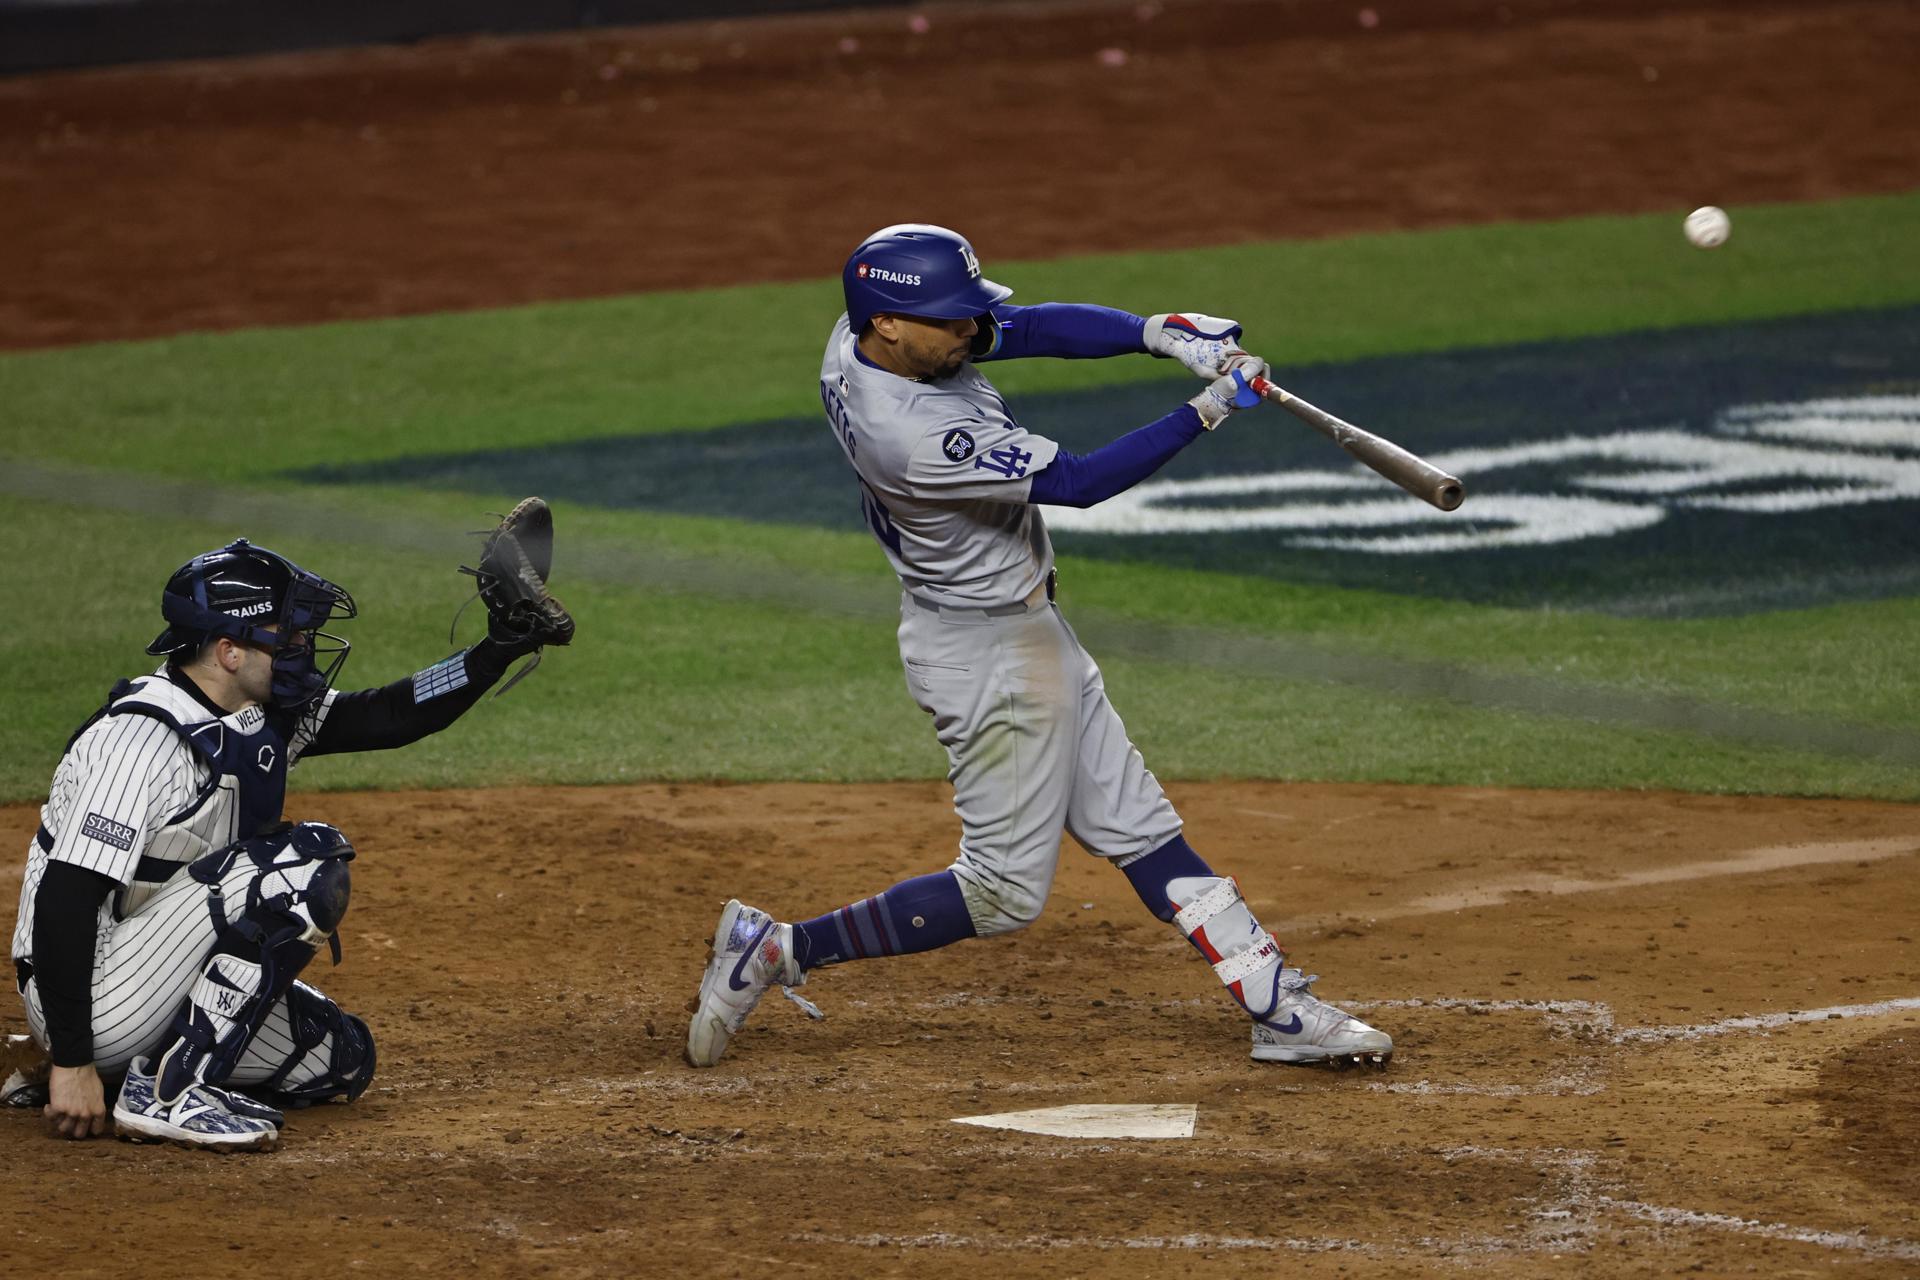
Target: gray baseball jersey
[
  {"x": 944, "y": 473},
  {"x": 1034, "y": 745}
]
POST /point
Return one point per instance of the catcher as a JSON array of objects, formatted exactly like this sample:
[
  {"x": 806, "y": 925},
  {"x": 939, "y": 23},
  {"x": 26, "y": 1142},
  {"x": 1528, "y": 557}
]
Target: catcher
[{"x": 167, "y": 910}]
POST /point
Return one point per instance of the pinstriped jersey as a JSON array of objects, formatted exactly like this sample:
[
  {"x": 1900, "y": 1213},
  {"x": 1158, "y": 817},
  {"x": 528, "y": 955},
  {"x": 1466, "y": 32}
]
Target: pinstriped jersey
[
  {"x": 132, "y": 800},
  {"x": 944, "y": 474}
]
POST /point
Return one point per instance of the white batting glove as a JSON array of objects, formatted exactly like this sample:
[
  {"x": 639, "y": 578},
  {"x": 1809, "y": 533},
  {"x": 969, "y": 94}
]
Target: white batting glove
[
  {"x": 1232, "y": 390},
  {"x": 1204, "y": 344}
]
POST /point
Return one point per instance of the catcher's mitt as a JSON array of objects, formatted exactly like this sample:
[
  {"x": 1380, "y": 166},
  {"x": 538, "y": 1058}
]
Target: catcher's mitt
[{"x": 514, "y": 562}]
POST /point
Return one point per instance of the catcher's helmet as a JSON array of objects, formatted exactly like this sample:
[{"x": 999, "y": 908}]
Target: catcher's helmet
[
  {"x": 257, "y": 596},
  {"x": 914, "y": 269}
]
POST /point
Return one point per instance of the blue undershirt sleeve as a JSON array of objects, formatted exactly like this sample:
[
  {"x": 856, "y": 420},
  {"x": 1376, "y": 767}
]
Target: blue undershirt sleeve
[
  {"x": 1073, "y": 481},
  {"x": 1069, "y": 330}
]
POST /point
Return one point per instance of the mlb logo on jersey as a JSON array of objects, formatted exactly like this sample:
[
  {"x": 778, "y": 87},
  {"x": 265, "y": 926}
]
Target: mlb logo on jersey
[{"x": 958, "y": 445}]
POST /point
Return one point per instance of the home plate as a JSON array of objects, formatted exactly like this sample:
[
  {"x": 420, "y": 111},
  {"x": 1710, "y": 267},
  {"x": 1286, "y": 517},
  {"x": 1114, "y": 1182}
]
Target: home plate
[{"x": 1097, "y": 1120}]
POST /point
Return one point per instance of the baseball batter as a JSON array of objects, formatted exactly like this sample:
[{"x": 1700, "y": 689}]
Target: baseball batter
[
  {"x": 950, "y": 484},
  {"x": 166, "y": 910}
]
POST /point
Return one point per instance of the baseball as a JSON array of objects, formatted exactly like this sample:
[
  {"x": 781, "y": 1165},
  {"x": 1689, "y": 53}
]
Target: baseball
[{"x": 1708, "y": 227}]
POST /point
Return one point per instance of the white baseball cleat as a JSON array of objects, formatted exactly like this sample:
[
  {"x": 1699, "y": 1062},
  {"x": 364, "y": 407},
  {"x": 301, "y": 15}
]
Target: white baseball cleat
[
  {"x": 1303, "y": 1028},
  {"x": 204, "y": 1116},
  {"x": 751, "y": 952}
]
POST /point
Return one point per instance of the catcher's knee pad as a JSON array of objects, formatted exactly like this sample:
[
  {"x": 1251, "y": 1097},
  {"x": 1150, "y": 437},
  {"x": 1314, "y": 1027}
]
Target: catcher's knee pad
[
  {"x": 293, "y": 885},
  {"x": 1217, "y": 920},
  {"x": 297, "y": 872},
  {"x": 332, "y": 1054}
]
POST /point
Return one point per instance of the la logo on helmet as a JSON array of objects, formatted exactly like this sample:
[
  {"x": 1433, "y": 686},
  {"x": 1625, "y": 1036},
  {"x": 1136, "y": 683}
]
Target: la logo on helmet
[{"x": 973, "y": 263}]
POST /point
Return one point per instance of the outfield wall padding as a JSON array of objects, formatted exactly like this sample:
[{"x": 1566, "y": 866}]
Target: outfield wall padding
[{"x": 46, "y": 35}]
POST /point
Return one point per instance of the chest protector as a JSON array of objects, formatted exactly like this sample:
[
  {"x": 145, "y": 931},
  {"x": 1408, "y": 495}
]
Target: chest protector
[{"x": 245, "y": 753}]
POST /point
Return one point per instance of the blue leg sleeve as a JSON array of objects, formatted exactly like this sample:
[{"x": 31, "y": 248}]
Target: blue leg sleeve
[{"x": 915, "y": 915}]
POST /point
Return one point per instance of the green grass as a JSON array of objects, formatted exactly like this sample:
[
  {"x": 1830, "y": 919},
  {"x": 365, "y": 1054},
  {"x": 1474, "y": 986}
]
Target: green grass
[
  {"x": 660, "y": 686},
  {"x": 245, "y": 405},
  {"x": 718, "y": 649},
  {"x": 686, "y": 675},
  {"x": 1852, "y": 662}
]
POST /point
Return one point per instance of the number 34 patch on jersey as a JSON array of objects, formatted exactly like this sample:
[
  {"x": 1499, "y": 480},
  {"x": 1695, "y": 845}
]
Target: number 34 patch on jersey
[{"x": 1010, "y": 460}]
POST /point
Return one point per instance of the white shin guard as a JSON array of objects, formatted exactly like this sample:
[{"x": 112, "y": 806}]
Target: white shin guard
[{"x": 1217, "y": 920}]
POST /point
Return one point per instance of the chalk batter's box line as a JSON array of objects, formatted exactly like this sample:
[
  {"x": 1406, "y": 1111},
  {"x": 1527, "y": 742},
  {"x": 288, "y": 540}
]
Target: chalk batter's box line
[{"x": 1598, "y": 1015}]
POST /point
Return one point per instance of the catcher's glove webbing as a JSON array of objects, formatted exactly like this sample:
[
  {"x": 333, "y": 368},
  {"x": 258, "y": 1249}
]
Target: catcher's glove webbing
[{"x": 522, "y": 614}]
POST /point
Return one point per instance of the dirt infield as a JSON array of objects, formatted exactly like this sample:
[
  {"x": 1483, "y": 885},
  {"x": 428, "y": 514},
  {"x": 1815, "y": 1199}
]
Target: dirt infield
[
  {"x": 1574, "y": 1091},
  {"x": 482, "y": 172}
]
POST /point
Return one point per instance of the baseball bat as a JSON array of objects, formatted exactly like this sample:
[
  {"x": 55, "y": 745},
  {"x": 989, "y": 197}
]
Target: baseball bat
[{"x": 1411, "y": 472}]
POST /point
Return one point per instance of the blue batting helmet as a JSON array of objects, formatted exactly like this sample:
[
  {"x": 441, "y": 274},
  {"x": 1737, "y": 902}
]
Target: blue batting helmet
[
  {"x": 257, "y": 596},
  {"x": 914, "y": 269}
]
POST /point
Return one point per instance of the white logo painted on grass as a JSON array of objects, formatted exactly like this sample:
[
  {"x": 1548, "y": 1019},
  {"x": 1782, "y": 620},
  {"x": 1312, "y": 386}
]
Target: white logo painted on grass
[
  {"x": 1764, "y": 459},
  {"x": 1097, "y": 1120}
]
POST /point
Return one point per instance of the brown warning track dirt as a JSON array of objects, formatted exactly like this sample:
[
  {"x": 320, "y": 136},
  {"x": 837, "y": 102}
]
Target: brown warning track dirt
[
  {"x": 524, "y": 957},
  {"x": 469, "y": 173}
]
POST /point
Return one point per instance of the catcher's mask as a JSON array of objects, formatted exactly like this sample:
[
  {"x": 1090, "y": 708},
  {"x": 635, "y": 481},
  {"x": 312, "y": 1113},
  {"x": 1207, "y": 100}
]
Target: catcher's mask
[{"x": 256, "y": 596}]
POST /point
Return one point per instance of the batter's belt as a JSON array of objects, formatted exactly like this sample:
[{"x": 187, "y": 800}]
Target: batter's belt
[{"x": 1042, "y": 594}]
